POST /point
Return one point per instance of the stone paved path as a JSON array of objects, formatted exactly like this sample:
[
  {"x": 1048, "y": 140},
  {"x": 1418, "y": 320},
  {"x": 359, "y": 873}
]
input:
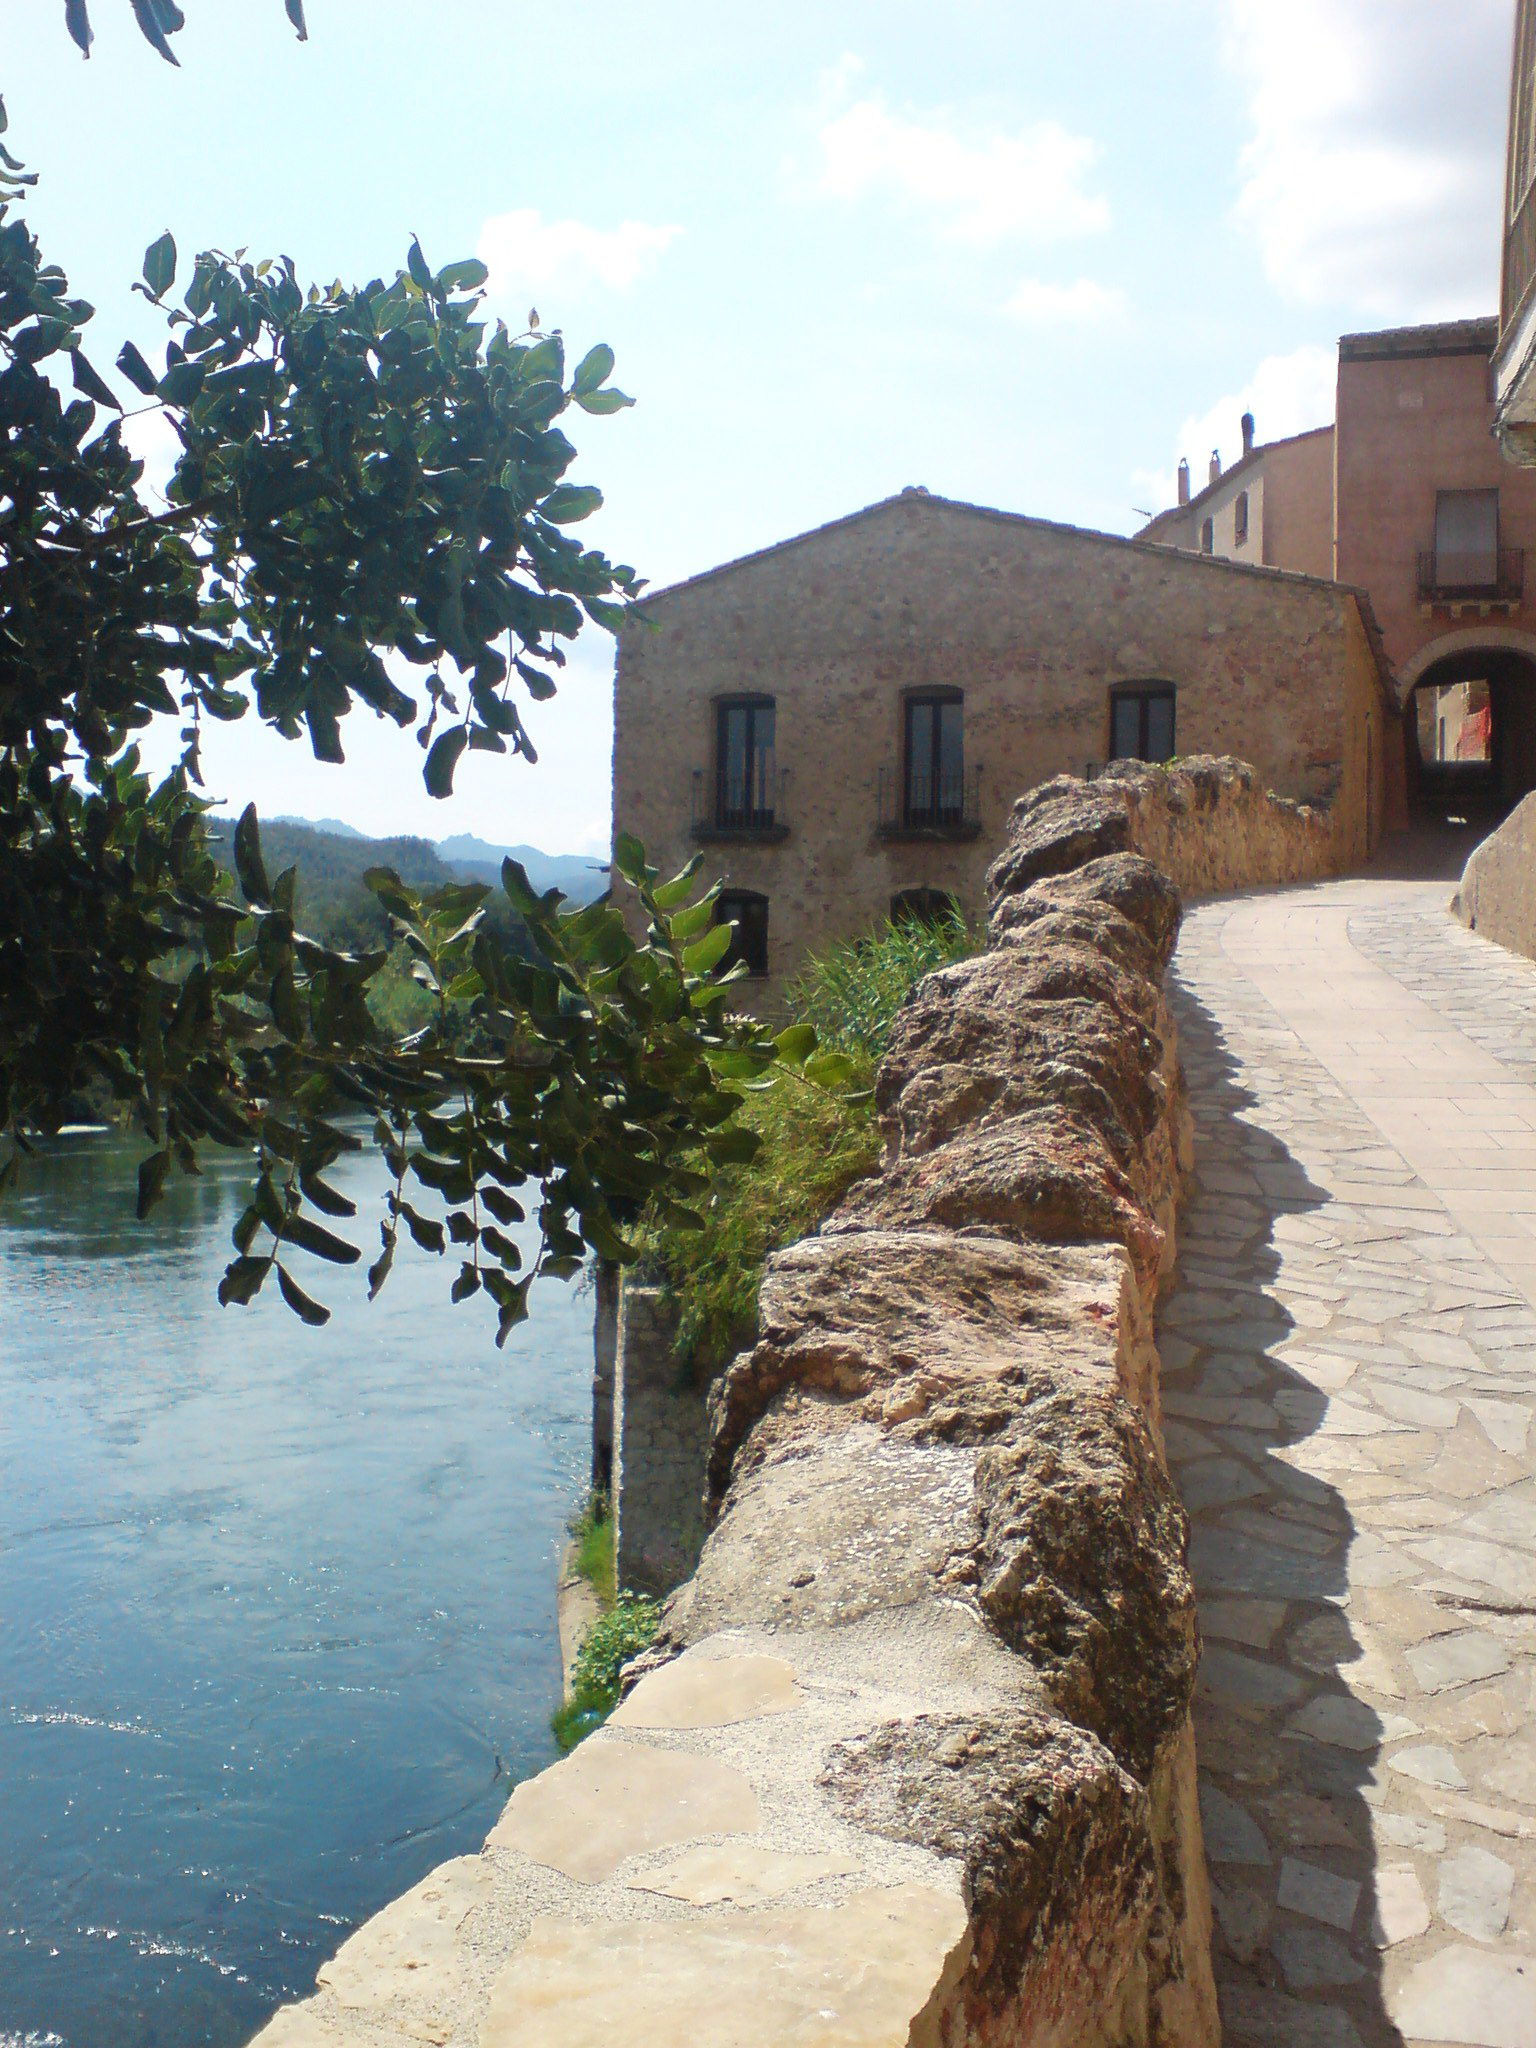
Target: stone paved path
[{"x": 1350, "y": 1378}]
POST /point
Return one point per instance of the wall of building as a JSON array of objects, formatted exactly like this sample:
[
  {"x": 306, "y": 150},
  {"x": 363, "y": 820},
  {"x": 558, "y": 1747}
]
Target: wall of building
[
  {"x": 660, "y": 1435},
  {"x": 1036, "y": 623},
  {"x": 1414, "y": 419},
  {"x": 1298, "y": 504},
  {"x": 1289, "y": 487}
]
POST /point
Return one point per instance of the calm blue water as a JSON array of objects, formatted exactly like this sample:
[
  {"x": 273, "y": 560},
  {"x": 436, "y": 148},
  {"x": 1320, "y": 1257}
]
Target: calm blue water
[{"x": 276, "y": 1605}]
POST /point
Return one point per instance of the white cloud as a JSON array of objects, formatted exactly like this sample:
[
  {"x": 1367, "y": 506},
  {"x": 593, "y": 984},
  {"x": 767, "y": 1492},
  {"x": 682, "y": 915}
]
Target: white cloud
[
  {"x": 150, "y": 436},
  {"x": 531, "y": 256},
  {"x": 979, "y": 189},
  {"x": 1373, "y": 172},
  {"x": 1287, "y": 395},
  {"x": 1084, "y": 303}
]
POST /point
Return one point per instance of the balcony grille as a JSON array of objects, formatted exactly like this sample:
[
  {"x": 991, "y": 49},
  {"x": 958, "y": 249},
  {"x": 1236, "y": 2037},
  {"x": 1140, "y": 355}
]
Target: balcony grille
[
  {"x": 942, "y": 806},
  {"x": 744, "y": 806},
  {"x": 1488, "y": 577}
]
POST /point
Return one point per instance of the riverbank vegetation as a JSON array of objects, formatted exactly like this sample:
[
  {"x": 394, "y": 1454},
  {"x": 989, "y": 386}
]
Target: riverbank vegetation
[
  {"x": 626, "y": 1630},
  {"x": 816, "y": 1136}
]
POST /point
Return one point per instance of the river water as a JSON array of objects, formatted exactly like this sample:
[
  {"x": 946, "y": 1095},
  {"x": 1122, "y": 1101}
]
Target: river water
[{"x": 277, "y": 1623}]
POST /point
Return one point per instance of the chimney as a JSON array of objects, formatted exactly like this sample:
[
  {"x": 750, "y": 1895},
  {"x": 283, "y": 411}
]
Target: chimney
[
  {"x": 1183, "y": 479},
  {"x": 1215, "y": 465},
  {"x": 1247, "y": 433}
]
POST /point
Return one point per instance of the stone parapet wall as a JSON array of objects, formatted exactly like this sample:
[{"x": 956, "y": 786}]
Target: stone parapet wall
[
  {"x": 1497, "y": 896},
  {"x": 1206, "y": 822},
  {"x": 912, "y": 1763}
]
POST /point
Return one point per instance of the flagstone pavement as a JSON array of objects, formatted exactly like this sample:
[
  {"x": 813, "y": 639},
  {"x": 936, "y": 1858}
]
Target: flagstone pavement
[{"x": 1350, "y": 1378}]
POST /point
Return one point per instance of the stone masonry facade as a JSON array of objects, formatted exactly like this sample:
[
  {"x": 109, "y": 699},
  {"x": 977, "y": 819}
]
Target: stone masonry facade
[{"x": 1036, "y": 627}]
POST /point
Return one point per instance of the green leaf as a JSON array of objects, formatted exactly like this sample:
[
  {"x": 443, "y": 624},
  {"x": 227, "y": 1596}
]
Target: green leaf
[
  {"x": 443, "y": 759},
  {"x": 709, "y": 951},
  {"x": 671, "y": 894},
  {"x": 304, "y": 1307},
  {"x": 605, "y": 401},
  {"x": 152, "y": 1175},
  {"x": 378, "y": 1272},
  {"x": 137, "y": 371},
  {"x": 467, "y": 1283},
  {"x": 160, "y": 265},
  {"x": 324, "y": 1197},
  {"x": 595, "y": 368},
  {"x": 242, "y": 1281},
  {"x": 734, "y": 1146},
  {"x": 418, "y": 266},
  {"x": 830, "y": 1069},
  {"x": 687, "y": 924},
  {"x": 567, "y": 503},
  {"x": 501, "y": 1205},
  {"x": 467, "y": 276},
  {"x": 248, "y": 861},
  {"x": 86, "y": 380},
  {"x": 427, "y": 1233},
  {"x": 629, "y": 857},
  {"x": 181, "y": 384},
  {"x": 796, "y": 1045}
]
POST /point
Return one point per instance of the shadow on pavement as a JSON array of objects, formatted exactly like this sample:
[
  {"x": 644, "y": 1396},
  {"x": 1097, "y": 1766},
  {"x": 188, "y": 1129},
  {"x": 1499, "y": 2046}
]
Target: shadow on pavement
[{"x": 1287, "y": 1752}]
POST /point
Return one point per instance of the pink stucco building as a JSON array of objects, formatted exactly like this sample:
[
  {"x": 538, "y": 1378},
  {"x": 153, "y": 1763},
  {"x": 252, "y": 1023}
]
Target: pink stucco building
[{"x": 1414, "y": 502}]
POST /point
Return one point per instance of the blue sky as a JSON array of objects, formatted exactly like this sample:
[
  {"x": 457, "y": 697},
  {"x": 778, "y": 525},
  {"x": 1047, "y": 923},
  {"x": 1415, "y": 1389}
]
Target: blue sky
[{"x": 1022, "y": 254}]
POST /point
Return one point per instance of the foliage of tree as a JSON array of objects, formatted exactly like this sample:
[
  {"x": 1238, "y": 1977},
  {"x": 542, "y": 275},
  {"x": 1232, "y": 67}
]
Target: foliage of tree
[
  {"x": 158, "y": 21},
  {"x": 371, "y": 507}
]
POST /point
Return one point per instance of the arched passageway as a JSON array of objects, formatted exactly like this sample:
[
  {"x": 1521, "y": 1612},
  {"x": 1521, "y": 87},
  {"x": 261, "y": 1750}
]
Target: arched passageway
[{"x": 1471, "y": 731}]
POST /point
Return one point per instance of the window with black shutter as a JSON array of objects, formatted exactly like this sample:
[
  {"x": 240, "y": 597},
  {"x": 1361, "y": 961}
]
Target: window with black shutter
[{"x": 1141, "y": 722}]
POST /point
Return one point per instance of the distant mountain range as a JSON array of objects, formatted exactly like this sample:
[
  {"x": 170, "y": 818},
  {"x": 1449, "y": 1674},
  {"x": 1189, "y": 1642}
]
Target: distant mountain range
[{"x": 581, "y": 877}]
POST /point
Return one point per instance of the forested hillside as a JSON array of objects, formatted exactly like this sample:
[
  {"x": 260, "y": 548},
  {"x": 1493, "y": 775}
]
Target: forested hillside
[{"x": 334, "y": 903}]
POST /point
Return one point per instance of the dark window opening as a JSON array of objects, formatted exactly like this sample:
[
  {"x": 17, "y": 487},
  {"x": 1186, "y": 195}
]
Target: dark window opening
[
  {"x": 924, "y": 906},
  {"x": 934, "y": 771},
  {"x": 1240, "y": 519},
  {"x": 744, "y": 764},
  {"x": 1207, "y": 536},
  {"x": 1141, "y": 723},
  {"x": 748, "y": 911}
]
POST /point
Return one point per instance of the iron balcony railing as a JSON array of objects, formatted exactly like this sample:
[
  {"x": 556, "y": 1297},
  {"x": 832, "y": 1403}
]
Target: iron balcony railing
[
  {"x": 941, "y": 806},
  {"x": 748, "y": 805},
  {"x": 1492, "y": 576}
]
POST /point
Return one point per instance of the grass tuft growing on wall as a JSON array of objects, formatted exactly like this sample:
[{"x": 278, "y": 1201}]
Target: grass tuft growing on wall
[
  {"x": 592, "y": 1555},
  {"x": 850, "y": 994}
]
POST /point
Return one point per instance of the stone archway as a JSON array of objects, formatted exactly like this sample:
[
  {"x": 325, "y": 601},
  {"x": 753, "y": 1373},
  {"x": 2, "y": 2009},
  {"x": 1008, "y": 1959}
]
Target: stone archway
[{"x": 1469, "y": 704}]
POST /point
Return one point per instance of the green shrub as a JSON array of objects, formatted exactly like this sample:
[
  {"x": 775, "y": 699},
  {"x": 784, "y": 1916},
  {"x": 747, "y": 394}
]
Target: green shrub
[
  {"x": 815, "y": 1141},
  {"x": 628, "y": 1628}
]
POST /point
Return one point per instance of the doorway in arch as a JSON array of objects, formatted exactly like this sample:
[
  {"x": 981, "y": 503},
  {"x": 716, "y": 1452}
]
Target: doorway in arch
[{"x": 1471, "y": 733}]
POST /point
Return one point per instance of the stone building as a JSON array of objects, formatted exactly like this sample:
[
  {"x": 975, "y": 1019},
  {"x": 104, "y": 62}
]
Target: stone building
[
  {"x": 1423, "y": 512},
  {"x": 843, "y": 721},
  {"x": 1272, "y": 507},
  {"x": 1438, "y": 525},
  {"x": 1514, "y": 362}
]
